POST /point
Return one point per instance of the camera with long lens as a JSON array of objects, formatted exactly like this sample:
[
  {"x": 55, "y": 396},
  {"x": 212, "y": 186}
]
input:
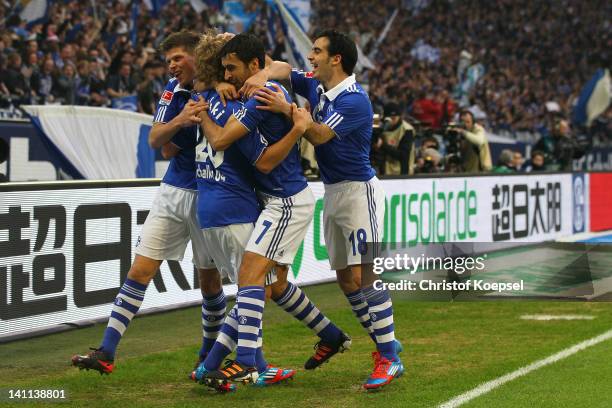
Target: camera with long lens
[{"x": 452, "y": 138}]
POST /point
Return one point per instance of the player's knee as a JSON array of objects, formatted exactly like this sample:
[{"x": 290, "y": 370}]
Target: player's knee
[
  {"x": 143, "y": 270},
  {"x": 278, "y": 288},
  {"x": 346, "y": 281},
  {"x": 357, "y": 280},
  {"x": 210, "y": 282},
  {"x": 253, "y": 269}
]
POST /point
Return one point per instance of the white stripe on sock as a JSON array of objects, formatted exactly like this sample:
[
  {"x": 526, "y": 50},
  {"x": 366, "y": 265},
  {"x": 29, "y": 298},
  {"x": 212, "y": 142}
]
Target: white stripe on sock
[
  {"x": 226, "y": 341},
  {"x": 134, "y": 302},
  {"x": 310, "y": 316},
  {"x": 250, "y": 329},
  {"x": 294, "y": 298},
  {"x": 385, "y": 338},
  {"x": 382, "y": 323},
  {"x": 250, "y": 313},
  {"x": 123, "y": 312},
  {"x": 301, "y": 307},
  {"x": 364, "y": 317},
  {"x": 117, "y": 325},
  {"x": 247, "y": 343},
  {"x": 321, "y": 325},
  {"x": 215, "y": 323},
  {"x": 252, "y": 301},
  {"x": 211, "y": 335},
  {"x": 381, "y": 307},
  {"x": 233, "y": 323},
  {"x": 213, "y": 312}
]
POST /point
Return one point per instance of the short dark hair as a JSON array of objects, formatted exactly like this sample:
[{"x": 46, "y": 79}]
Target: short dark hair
[
  {"x": 185, "y": 39},
  {"x": 246, "y": 47},
  {"x": 464, "y": 112},
  {"x": 341, "y": 44}
]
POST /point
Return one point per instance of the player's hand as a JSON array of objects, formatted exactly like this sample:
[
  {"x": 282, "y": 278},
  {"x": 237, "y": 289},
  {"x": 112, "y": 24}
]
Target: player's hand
[
  {"x": 253, "y": 84},
  {"x": 227, "y": 92},
  {"x": 274, "y": 101},
  {"x": 189, "y": 116},
  {"x": 302, "y": 119},
  {"x": 227, "y": 36}
]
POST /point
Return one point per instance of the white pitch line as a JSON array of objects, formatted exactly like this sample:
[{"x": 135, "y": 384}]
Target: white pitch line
[
  {"x": 491, "y": 385},
  {"x": 545, "y": 317}
]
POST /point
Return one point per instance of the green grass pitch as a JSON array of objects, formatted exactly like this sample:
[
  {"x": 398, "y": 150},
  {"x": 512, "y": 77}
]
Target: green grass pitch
[{"x": 450, "y": 348}]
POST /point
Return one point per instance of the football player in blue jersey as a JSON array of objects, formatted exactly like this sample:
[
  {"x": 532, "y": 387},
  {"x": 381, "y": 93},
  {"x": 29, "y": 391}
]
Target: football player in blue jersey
[
  {"x": 227, "y": 204},
  {"x": 172, "y": 221},
  {"x": 280, "y": 228},
  {"x": 354, "y": 199}
]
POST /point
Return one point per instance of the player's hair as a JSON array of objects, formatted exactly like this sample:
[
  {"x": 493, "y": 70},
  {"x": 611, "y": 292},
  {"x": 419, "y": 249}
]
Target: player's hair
[
  {"x": 464, "y": 112},
  {"x": 246, "y": 47},
  {"x": 340, "y": 44},
  {"x": 207, "y": 58},
  {"x": 188, "y": 40}
]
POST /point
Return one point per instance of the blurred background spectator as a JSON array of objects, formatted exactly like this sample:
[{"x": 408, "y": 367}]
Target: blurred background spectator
[{"x": 517, "y": 65}]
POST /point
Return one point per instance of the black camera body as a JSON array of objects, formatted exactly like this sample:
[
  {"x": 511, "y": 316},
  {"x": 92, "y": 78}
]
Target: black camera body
[{"x": 453, "y": 138}]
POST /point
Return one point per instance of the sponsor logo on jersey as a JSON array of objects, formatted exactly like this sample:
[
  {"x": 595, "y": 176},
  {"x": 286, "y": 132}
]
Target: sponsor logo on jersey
[
  {"x": 166, "y": 98},
  {"x": 309, "y": 74}
]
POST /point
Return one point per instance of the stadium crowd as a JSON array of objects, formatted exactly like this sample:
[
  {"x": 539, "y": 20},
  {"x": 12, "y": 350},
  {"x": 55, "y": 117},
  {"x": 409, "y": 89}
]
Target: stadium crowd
[{"x": 535, "y": 56}]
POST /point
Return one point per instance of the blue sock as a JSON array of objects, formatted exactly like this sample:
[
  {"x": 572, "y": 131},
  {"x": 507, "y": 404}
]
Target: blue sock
[
  {"x": 250, "y": 301},
  {"x": 260, "y": 361},
  {"x": 213, "y": 315},
  {"x": 360, "y": 310},
  {"x": 294, "y": 301},
  {"x": 126, "y": 305},
  {"x": 381, "y": 315},
  {"x": 225, "y": 343}
]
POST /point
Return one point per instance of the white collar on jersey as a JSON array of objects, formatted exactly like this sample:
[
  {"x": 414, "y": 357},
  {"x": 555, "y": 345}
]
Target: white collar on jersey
[
  {"x": 337, "y": 90},
  {"x": 179, "y": 88}
]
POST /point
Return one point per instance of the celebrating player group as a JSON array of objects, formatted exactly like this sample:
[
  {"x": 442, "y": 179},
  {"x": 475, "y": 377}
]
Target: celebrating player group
[{"x": 235, "y": 189}]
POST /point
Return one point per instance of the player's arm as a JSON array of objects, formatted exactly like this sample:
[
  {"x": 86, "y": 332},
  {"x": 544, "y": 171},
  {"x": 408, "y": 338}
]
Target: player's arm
[
  {"x": 319, "y": 133},
  {"x": 220, "y": 138},
  {"x": 273, "y": 155},
  {"x": 161, "y": 132},
  {"x": 227, "y": 92},
  {"x": 276, "y": 70},
  {"x": 273, "y": 101},
  {"x": 349, "y": 112},
  {"x": 169, "y": 150}
]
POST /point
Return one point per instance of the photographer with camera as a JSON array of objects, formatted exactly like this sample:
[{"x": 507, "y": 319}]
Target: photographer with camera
[
  {"x": 561, "y": 147},
  {"x": 396, "y": 143},
  {"x": 470, "y": 140}
]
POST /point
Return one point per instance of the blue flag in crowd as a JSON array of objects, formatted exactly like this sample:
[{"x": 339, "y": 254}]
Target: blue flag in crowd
[{"x": 594, "y": 98}]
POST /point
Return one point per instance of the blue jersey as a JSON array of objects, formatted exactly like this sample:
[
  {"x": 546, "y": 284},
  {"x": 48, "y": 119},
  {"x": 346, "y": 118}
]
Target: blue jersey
[
  {"x": 347, "y": 110},
  {"x": 181, "y": 170},
  {"x": 287, "y": 178},
  {"x": 225, "y": 179}
]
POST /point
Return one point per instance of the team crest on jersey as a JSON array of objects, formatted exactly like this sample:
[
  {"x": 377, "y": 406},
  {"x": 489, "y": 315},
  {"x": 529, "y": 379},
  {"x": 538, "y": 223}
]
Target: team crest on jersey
[
  {"x": 166, "y": 98},
  {"x": 309, "y": 74}
]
